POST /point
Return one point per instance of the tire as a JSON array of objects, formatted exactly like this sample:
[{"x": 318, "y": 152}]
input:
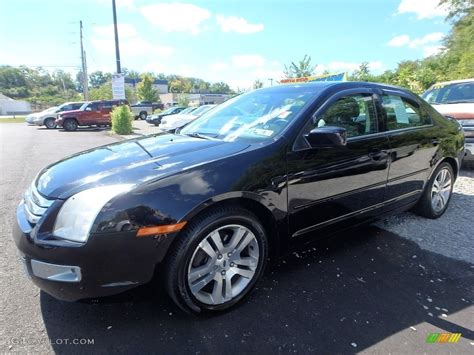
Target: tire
[
  {"x": 196, "y": 279},
  {"x": 50, "y": 123},
  {"x": 70, "y": 124},
  {"x": 433, "y": 203},
  {"x": 143, "y": 115}
]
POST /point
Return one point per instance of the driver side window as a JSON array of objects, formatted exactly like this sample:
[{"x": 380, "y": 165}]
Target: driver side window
[{"x": 355, "y": 113}]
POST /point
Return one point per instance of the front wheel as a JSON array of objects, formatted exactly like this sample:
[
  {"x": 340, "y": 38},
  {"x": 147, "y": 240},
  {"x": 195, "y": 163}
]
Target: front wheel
[
  {"x": 70, "y": 124},
  {"x": 50, "y": 123},
  {"x": 435, "y": 199},
  {"x": 216, "y": 261}
]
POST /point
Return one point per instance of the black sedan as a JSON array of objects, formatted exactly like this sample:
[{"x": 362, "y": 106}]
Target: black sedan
[
  {"x": 156, "y": 118},
  {"x": 207, "y": 207}
]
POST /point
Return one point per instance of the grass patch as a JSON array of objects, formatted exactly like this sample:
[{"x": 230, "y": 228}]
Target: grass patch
[{"x": 17, "y": 119}]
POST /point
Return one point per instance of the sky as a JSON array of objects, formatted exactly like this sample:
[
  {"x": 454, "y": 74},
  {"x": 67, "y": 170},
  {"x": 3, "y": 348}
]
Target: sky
[{"x": 221, "y": 40}]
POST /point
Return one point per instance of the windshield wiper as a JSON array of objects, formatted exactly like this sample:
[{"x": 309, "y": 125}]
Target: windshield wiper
[{"x": 199, "y": 135}]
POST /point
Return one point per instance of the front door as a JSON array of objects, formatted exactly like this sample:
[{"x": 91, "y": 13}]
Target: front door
[{"x": 328, "y": 185}]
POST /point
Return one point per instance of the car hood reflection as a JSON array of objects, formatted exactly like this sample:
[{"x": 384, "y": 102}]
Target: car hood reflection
[{"x": 134, "y": 161}]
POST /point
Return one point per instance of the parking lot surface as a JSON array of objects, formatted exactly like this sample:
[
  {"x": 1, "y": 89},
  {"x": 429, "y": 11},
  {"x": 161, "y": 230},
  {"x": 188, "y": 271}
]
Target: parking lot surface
[{"x": 370, "y": 290}]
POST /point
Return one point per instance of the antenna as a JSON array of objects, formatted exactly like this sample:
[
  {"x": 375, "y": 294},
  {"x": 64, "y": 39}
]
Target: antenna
[{"x": 85, "y": 79}]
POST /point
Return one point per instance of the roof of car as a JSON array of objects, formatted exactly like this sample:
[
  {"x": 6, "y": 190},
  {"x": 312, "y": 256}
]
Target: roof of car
[
  {"x": 444, "y": 83},
  {"x": 320, "y": 86}
]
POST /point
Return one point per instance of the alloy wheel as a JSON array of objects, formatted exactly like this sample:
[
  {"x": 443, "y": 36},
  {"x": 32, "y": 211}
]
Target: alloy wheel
[
  {"x": 441, "y": 190},
  {"x": 223, "y": 264}
]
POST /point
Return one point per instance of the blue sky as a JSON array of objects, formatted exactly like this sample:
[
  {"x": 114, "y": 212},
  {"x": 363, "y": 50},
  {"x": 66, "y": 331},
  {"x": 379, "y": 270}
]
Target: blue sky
[{"x": 233, "y": 41}]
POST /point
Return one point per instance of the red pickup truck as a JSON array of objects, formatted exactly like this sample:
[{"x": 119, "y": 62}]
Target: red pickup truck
[{"x": 92, "y": 113}]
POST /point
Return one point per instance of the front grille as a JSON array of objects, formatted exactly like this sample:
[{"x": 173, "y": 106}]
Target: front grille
[{"x": 35, "y": 205}]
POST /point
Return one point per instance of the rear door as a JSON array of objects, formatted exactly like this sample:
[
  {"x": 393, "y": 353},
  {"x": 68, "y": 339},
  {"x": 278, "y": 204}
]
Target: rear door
[
  {"x": 413, "y": 145},
  {"x": 330, "y": 185}
]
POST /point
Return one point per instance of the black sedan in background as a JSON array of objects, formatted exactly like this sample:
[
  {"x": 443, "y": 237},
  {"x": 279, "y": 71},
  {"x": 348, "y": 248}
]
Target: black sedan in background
[
  {"x": 205, "y": 208},
  {"x": 156, "y": 118}
]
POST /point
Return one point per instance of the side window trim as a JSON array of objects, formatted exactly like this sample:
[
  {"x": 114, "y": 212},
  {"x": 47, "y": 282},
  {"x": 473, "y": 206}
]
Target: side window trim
[{"x": 329, "y": 101}]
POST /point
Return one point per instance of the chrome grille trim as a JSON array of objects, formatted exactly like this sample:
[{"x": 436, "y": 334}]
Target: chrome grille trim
[{"x": 35, "y": 205}]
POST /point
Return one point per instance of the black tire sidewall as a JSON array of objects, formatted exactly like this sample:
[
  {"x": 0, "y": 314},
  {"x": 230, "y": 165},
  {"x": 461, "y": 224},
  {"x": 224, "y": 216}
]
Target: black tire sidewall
[
  {"x": 143, "y": 115},
  {"x": 69, "y": 128},
  {"x": 199, "y": 233},
  {"x": 427, "y": 195},
  {"x": 49, "y": 119}
]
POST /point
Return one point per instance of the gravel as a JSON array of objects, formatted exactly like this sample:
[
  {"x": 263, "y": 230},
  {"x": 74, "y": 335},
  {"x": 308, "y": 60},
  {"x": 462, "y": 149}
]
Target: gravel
[{"x": 450, "y": 235}]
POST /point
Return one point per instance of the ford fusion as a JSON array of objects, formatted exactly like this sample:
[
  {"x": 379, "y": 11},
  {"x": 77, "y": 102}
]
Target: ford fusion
[{"x": 206, "y": 207}]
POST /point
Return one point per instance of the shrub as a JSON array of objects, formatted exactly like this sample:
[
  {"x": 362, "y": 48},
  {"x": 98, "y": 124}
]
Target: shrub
[
  {"x": 122, "y": 120},
  {"x": 157, "y": 110}
]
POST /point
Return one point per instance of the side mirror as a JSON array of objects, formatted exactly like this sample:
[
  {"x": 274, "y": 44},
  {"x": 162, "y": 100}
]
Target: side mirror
[
  {"x": 88, "y": 109},
  {"x": 324, "y": 137}
]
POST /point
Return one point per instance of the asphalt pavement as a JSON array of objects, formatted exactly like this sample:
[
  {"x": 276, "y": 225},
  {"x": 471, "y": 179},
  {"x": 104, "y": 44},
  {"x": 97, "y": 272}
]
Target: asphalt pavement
[{"x": 367, "y": 290}]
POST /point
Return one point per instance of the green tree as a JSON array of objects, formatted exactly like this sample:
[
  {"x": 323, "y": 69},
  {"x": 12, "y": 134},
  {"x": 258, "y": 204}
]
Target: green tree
[
  {"x": 145, "y": 89},
  {"x": 220, "y": 88},
  {"x": 300, "y": 69},
  {"x": 121, "y": 118},
  {"x": 99, "y": 78},
  {"x": 183, "y": 100},
  {"x": 257, "y": 84}
]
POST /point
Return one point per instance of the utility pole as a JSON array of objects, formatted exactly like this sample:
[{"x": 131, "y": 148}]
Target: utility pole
[
  {"x": 271, "y": 81},
  {"x": 117, "y": 50},
  {"x": 85, "y": 80}
]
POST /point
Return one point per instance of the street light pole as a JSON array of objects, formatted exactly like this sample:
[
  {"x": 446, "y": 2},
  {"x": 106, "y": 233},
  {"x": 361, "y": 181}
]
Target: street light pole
[{"x": 117, "y": 50}]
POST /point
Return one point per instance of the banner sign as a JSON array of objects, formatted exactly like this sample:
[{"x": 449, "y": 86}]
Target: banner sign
[
  {"x": 326, "y": 77},
  {"x": 118, "y": 86}
]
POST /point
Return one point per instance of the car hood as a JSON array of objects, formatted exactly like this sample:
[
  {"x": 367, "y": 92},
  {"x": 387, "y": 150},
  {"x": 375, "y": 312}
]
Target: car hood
[
  {"x": 180, "y": 117},
  {"x": 458, "y": 111},
  {"x": 134, "y": 161}
]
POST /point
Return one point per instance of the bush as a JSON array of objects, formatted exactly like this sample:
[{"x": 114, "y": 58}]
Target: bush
[
  {"x": 157, "y": 111},
  {"x": 122, "y": 120}
]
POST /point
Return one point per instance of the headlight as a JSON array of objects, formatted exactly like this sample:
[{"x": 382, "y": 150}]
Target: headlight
[{"x": 76, "y": 216}]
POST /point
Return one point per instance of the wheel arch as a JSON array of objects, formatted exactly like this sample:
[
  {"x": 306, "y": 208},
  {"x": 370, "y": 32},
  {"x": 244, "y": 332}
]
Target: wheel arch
[{"x": 253, "y": 203}]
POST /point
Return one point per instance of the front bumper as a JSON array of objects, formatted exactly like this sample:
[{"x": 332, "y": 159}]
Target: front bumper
[
  {"x": 469, "y": 149},
  {"x": 107, "y": 264},
  {"x": 154, "y": 120}
]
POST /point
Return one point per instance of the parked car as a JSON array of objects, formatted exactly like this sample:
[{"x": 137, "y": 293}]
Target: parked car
[
  {"x": 456, "y": 99},
  {"x": 173, "y": 122},
  {"x": 48, "y": 117},
  {"x": 93, "y": 113},
  {"x": 208, "y": 206},
  {"x": 143, "y": 109},
  {"x": 156, "y": 119}
]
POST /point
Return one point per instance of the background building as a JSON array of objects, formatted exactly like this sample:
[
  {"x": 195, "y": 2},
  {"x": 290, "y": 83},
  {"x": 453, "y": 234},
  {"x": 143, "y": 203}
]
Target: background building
[
  {"x": 9, "y": 106},
  {"x": 158, "y": 84},
  {"x": 172, "y": 99}
]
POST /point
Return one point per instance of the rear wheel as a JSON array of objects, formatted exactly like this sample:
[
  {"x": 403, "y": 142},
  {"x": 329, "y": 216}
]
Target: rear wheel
[
  {"x": 435, "y": 199},
  {"x": 50, "y": 123},
  {"x": 70, "y": 124},
  {"x": 143, "y": 115},
  {"x": 216, "y": 261}
]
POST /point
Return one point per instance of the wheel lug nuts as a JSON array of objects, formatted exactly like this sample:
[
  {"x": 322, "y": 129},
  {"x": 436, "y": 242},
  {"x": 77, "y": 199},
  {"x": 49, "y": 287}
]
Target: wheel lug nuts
[
  {"x": 232, "y": 264},
  {"x": 223, "y": 272},
  {"x": 219, "y": 256},
  {"x": 229, "y": 254}
]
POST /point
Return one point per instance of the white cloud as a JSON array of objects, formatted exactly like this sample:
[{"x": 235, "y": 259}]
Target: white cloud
[
  {"x": 428, "y": 43},
  {"x": 237, "y": 25},
  {"x": 432, "y": 50},
  {"x": 248, "y": 60},
  {"x": 131, "y": 44},
  {"x": 219, "y": 66},
  {"x": 422, "y": 8},
  {"x": 176, "y": 17},
  {"x": 125, "y": 30},
  {"x": 399, "y": 41},
  {"x": 429, "y": 38},
  {"x": 341, "y": 66}
]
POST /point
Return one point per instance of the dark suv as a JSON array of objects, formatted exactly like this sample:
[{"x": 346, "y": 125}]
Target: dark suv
[{"x": 93, "y": 113}]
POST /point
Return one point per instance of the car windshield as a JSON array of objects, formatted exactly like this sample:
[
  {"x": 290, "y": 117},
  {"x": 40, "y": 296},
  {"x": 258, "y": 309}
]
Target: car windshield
[
  {"x": 450, "y": 94},
  {"x": 254, "y": 117},
  {"x": 187, "y": 110},
  {"x": 200, "y": 110},
  {"x": 51, "y": 109},
  {"x": 168, "y": 110}
]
